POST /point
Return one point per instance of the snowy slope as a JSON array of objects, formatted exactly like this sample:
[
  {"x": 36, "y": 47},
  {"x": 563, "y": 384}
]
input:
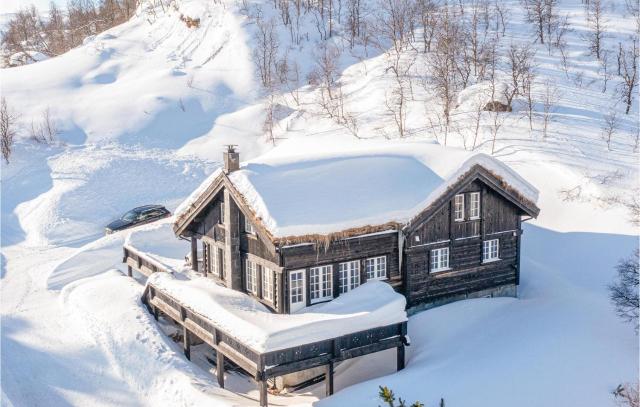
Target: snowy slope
[{"x": 143, "y": 112}]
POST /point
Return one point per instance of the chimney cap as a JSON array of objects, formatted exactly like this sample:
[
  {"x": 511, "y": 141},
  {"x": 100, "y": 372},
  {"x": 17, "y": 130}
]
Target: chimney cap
[{"x": 231, "y": 148}]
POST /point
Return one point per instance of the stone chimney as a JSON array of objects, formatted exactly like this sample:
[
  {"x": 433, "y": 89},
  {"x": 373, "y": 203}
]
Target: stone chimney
[{"x": 231, "y": 159}]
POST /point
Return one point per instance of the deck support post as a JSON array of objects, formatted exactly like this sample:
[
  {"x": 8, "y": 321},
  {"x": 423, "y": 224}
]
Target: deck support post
[
  {"x": 194, "y": 254},
  {"x": 155, "y": 312},
  {"x": 186, "y": 342},
  {"x": 328, "y": 379},
  {"x": 400, "y": 355},
  {"x": 220, "y": 368},
  {"x": 129, "y": 271},
  {"x": 262, "y": 386}
]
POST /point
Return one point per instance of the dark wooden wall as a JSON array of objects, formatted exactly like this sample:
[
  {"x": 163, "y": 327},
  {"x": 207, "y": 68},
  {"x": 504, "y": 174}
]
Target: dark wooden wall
[
  {"x": 500, "y": 219},
  {"x": 305, "y": 256}
]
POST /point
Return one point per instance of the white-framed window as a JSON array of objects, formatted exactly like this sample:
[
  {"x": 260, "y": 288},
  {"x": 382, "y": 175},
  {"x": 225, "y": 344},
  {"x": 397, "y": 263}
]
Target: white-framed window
[
  {"x": 376, "y": 268},
  {"x": 221, "y": 212},
  {"x": 440, "y": 259},
  {"x": 250, "y": 277},
  {"x": 267, "y": 284},
  {"x": 248, "y": 227},
  {"x": 215, "y": 260},
  {"x": 296, "y": 290},
  {"x": 349, "y": 275},
  {"x": 474, "y": 205},
  {"x": 458, "y": 208},
  {"x": 490, "y": 250},
  {"x": 321, "y": 283}
]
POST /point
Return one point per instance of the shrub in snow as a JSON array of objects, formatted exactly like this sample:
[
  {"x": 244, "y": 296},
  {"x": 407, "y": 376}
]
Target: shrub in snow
[
  {"x": 386, "y": 394},
  {"x": 624, "y": 292}
]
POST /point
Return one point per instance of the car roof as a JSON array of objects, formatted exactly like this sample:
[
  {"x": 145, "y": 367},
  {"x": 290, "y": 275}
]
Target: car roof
[{"x": 147, "y": 207}]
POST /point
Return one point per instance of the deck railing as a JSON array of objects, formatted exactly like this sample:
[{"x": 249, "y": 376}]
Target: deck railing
[{"x": 266, "y": 365}]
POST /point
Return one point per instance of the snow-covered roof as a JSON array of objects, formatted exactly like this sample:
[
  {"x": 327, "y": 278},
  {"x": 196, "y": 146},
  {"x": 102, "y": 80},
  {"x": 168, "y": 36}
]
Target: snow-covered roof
[
  {"x": 373, "y": 304},
  {"x": 304, "y": 188}
]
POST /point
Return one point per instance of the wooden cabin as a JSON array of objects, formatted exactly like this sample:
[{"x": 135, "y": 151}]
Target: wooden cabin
[{"x": 454, "y": 236}]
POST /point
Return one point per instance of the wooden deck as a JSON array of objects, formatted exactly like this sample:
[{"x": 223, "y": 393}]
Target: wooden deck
[{"x": 266, "y": 365}]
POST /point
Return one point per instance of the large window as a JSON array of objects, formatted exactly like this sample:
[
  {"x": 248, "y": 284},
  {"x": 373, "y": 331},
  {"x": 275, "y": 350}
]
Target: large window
[
  {"x": 458, "y": 208},
  {"x": 440, "y": 259},
  {"x": 248, "y": 227},
  {"x": 296, "y": 290},
  {"x": 349, "y": 275},
  {"x": 267, "y": 284},
  {"x": 474, "y": 205},
  {"x": 321, "y": 283},
  {"x": 376, "y": 268},
  {"x": 490, "y": 250},
  {"x": 251, "y": 281}
]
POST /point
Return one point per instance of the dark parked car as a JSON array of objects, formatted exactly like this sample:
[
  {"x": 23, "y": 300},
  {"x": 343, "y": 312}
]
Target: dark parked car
[{"x": 138, "y": 216}]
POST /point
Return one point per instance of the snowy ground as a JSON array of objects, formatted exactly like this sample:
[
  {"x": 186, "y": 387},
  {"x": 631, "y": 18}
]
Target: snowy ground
[{"x": 143, "y": 112}]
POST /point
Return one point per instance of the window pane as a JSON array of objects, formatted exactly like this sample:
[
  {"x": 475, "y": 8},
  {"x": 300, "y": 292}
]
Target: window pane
[
  {"x": 376, "y": 268},
  {"x": 458, "y": 204},
  {"x": 296, "y": 287}
]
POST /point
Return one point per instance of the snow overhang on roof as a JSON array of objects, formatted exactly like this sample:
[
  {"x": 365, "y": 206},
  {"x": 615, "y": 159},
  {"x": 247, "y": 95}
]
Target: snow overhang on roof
[{"x": 341, "y": 194}]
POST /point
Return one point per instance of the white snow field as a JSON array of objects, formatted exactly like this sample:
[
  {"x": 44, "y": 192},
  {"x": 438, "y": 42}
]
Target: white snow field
[{"x": 144, "y": 111}]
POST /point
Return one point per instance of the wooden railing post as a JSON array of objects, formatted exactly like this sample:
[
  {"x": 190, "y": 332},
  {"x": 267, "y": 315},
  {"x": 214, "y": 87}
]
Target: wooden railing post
[
  {"x": 328, "y": 379},
  {"x": 220, "y": 368},
  {"x": 263, "y": 393}
]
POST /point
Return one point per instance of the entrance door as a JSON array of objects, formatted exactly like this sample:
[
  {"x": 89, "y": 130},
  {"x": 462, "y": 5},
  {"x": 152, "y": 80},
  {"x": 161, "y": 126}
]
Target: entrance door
[{"x": 297, "y": 292}]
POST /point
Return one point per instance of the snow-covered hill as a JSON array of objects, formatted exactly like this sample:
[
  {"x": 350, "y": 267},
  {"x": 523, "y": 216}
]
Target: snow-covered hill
[{"x": 143, "y": 112}]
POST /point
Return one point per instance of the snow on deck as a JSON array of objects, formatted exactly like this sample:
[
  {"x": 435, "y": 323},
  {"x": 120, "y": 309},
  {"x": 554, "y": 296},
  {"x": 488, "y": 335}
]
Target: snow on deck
[
  {"x": 330, "y": 191},
  {"x": 159, "y": 245},
  {"x": 373, "y": 304}
]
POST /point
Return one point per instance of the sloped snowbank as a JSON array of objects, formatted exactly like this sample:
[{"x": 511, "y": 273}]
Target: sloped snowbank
[
  {"x": 371, "y": 305},
  {"x": 108, "y": 307},
  {"x": 154, "y": 240}
]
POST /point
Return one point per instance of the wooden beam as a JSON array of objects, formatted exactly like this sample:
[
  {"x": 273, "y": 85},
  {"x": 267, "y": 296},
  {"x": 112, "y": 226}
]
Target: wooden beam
[
  {"x": 374, "y": 347},
  {"x": 238, "y": 358},
  {"x": 166, "y": 308},
  {"x": 194, "y": 254},
  {"x": 129, "y": 271},
  {"x": 200, "y": 332},
  {"x": 186, "y": 343},
  {"x": 328, "y": 379},
  {"x": 400, "y": 358},
  {"x": 220, "y": 368},
  {"x": 280, "y": 370},
  {"x": 262, "y": 386}
]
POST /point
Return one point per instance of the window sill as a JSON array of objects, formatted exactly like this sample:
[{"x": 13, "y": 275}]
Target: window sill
[
  {"x": 475, "y": 218},
  {"x": 491, "y": 261},
  {"x": 441, "y": 270},
  {"x": 377, "y": 278},
  {"x": 319, "y": 300}
]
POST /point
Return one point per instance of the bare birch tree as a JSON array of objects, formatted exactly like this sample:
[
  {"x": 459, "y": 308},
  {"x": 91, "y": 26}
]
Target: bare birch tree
[
  {"x": 629, "y": 72},
  {"x": 7, "y": 130},
  {"x": 609, "y": 127},
  {"x": 597, "y": 25}
]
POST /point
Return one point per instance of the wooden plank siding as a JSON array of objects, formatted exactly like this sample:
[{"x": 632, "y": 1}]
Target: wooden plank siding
[
  {"x": 306, "y": 256},
  {"x": 467, "y": 273}
]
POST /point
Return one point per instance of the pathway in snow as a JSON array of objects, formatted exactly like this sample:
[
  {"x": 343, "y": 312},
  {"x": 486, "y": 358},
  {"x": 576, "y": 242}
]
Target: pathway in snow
[{"x": 45, "y": 361}]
